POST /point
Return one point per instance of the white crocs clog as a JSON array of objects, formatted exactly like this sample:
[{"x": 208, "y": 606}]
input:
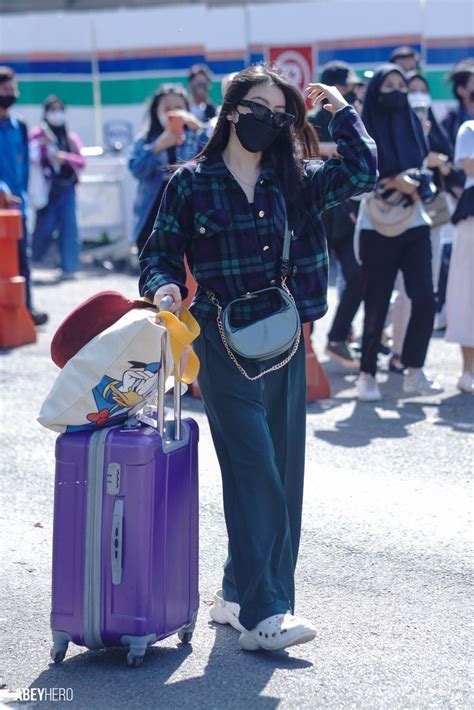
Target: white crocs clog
[
  {"x": 276, "y": 632},
  {"x": 223, "y": 612}
]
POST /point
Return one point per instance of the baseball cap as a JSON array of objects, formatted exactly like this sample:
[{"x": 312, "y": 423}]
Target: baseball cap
[
  {"x": 463, "y": 67},
  {"x": 404, "y": 52},
  {"x": 338, "y": 72},
  {"x": 90, "y": 318}
]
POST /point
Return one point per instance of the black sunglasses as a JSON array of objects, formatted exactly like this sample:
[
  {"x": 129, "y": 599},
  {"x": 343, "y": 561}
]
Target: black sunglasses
[{"x": 262, "y": 113}]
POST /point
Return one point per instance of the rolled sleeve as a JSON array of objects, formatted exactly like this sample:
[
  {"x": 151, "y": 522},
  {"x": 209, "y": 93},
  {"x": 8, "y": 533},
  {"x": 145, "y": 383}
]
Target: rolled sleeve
[
  {"x": 162, "y": 258},
  {"x": 354, "y": 173}
]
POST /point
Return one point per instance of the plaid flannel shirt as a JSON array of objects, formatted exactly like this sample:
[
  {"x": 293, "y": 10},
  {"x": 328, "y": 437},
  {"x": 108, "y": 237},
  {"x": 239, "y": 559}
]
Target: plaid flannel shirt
[{"x": 233, "y": 247}]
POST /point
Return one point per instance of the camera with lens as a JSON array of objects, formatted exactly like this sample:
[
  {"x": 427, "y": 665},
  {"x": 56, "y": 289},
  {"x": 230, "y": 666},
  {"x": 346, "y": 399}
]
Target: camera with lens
[{"x": 427, "y": 189}]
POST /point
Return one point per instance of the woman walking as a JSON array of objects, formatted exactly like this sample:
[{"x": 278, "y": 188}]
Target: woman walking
[{"x": 227, "y": 212}]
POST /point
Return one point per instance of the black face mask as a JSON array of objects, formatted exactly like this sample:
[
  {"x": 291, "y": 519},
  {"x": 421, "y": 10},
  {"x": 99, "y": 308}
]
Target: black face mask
[
  {"x": 393, "y": 101},
  {"x": 7, "y": 101},
  {"x": 255, "y": 136}
]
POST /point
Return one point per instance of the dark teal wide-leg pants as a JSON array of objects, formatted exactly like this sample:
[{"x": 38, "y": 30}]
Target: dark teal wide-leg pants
[{"x": 258, "y": 430}]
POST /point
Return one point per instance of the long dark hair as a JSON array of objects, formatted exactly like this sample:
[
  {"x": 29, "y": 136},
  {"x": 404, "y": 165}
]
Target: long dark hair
[
  {"x": 153, "y": 126},
  {"x": 295, "y": 143}
]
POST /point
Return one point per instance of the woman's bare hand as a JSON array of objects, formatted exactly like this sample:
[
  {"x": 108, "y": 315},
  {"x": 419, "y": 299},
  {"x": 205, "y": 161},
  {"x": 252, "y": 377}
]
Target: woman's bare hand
[
  {"x": 318, "y": 92},
  {"x": 169, "y": 290},
  {"x": 168, "y": 139}
]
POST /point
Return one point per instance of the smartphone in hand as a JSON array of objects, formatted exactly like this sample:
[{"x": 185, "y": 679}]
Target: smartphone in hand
[{"x": 176, "y": 124}]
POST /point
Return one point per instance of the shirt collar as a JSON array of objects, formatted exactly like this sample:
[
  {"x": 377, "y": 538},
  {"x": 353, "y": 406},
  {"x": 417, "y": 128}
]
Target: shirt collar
[{"x": 214, "y": 166}]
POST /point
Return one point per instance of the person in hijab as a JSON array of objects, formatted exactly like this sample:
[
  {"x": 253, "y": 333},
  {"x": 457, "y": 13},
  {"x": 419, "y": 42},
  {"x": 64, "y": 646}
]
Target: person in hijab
[
  {"x": 163, "y": 144},
  {"x": 58, "y": 151},
  {"x": 394, "y": 232}
]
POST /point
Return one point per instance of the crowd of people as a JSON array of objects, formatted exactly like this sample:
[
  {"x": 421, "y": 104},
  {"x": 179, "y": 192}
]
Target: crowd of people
[{"x": 392, "y": 248}]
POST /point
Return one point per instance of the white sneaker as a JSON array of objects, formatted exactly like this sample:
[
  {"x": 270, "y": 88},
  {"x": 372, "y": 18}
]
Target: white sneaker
[
  {"x": 367, "y": 388},
  {"x": 223, "y": 612},
  {"x": 466, "y": 383},
  {"x": 276, "y": 632},
  {"x": 416, "y": 382}
]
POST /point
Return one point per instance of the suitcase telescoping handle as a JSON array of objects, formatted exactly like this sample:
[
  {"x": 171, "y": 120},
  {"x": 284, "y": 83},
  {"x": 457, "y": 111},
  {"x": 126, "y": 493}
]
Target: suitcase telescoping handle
[{"x": 165, "y": 304}]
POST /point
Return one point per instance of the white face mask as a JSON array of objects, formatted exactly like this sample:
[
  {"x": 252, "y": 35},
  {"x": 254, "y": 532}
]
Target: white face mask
[
  {"x": 56, "y": 118},
  {"x": 419, "y": 100},
  {"x": 163, "y": 119}
]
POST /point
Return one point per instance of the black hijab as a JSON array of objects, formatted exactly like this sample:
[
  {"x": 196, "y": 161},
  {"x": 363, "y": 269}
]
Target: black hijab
[
  {"x": 438, "y": 140},
  {"x": 399, "y": 136}
]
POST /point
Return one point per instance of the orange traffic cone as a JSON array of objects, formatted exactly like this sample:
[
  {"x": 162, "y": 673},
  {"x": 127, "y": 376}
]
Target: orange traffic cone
[
  {"x": 16, "y": 325},
  {"x": 317, "y": 384}
]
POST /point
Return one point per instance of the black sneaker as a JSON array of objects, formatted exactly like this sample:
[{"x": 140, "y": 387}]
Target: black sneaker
[
  {"x": 342, "y": 353},
  {"x": 38, "y": 317}
]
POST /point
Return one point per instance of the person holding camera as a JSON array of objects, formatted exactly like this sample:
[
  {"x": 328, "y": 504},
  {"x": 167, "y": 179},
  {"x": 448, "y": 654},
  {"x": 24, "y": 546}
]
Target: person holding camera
[
  {"x": 394, "y": 232},
  {"x": 449, "y": 182}
]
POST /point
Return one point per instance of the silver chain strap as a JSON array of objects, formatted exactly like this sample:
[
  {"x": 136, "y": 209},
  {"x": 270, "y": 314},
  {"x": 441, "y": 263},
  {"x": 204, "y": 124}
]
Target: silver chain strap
[{"x": 278, "y": 366}]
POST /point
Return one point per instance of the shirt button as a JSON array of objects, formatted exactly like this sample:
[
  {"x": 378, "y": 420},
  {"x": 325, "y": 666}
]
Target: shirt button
[
  {"x": 272, "y": 282},
  {"x": 261, "y": 213},
  {"x": 261, "y": 182},
  {"x": 202, "y": 230},
  {"x": 266, "y": 247}
]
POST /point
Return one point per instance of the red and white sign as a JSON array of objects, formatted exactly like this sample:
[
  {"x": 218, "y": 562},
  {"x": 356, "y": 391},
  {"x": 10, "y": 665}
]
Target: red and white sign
[{"x": 296, "y": 62}]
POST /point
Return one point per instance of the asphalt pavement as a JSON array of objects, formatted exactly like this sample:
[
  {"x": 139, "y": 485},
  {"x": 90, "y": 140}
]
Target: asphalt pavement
[{"x": 384, "y": 569}]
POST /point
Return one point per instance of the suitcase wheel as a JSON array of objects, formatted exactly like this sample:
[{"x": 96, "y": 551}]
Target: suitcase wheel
[
  {"x": 185, "y": 636},
  {"x": 133, "y": 660}
]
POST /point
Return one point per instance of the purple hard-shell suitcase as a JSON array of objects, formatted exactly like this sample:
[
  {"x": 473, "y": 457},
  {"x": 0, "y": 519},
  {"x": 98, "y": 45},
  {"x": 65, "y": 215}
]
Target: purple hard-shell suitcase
[{"x": 125, "y": 538}]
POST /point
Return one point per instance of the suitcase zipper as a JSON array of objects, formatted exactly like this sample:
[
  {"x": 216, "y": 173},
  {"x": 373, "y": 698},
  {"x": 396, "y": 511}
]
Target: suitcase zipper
[{"x": 92, "y": 572}]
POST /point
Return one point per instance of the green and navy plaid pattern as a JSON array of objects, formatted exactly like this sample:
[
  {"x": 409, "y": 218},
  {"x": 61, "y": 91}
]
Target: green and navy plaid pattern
[{"x": 233, "y": 247}]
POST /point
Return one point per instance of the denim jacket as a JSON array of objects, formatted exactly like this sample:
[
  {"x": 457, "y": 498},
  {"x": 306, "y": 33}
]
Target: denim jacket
[{"x": 150, "y": 170}]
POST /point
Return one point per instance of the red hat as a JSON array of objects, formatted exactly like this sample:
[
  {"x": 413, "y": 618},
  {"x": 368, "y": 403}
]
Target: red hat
[{"x": 88, "y": 320}]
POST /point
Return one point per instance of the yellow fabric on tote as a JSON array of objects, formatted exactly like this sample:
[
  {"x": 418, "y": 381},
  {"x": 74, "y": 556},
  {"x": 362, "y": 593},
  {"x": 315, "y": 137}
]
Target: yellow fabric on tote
[{"x": 182, "y": 330}]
